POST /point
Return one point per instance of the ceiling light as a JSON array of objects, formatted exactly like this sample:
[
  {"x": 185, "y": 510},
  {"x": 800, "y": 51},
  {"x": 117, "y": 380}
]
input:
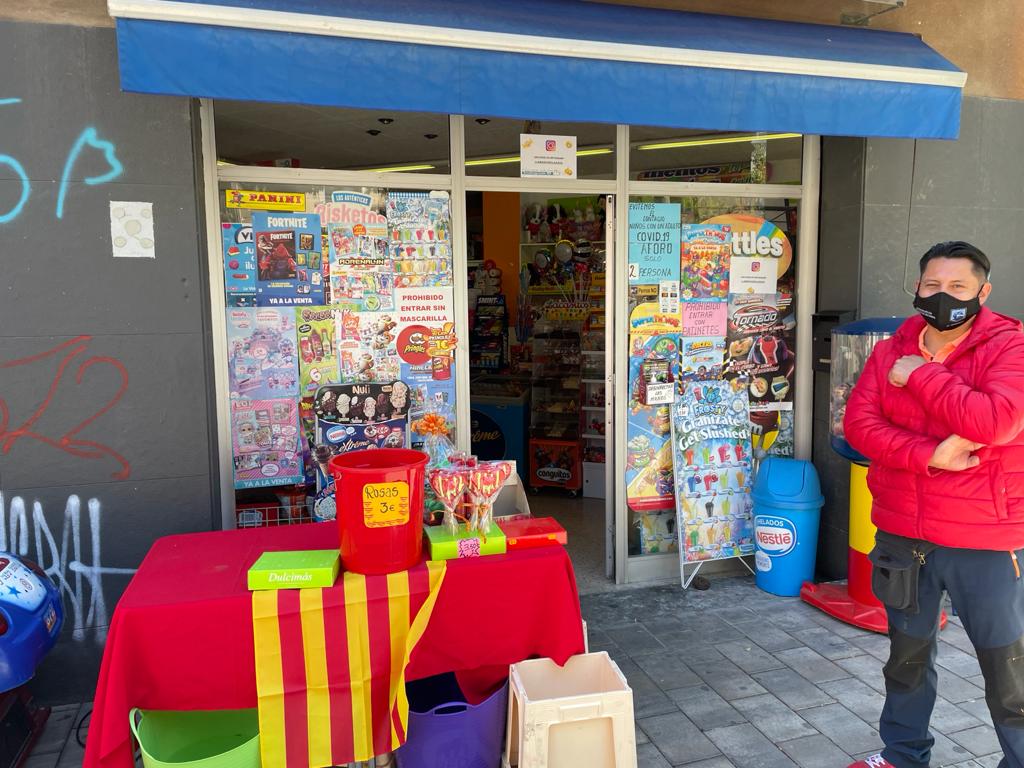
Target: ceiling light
[
  {"x": 592, "y": 152},
  {"x": 718, "y": 140},
  {"x": 483, "y": 120},
  {"x": 401, "y": 168},
  {"x": 385, "y": 120},
  {"x": 494, "y": 160},
  {"x": 373, "y": 132}
]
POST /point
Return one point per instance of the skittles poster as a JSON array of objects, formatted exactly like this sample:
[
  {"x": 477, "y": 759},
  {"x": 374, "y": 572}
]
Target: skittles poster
[
  {"x": 648, "y": 446},
  {"x": 753, "y": 236}
]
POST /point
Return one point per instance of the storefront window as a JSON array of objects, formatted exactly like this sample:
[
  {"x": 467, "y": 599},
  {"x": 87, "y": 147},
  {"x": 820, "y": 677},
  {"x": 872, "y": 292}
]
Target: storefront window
[
  {"x": 712, "y": 310},
  {"x": 664, "y": 154},
  {"x": 340, "y": 334},
  {"x": 295, "y": 136},
  {"x": 494, "y": 147}
]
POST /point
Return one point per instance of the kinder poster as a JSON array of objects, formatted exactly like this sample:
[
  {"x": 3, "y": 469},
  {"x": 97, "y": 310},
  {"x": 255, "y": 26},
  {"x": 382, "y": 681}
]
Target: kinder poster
[
  {"x": 239, "y": 264},
  {"x": 266, "y": 443},
  {"x": 317, "y": 329},
  {"x": 419, "y": 225},
  {"x": 704, "y": 261},
  {"x": 761, "y": 348},
  {"x": 648, "y": 444},
  {"x": 261, "y": 352},
  {"x": 701, "y": 358},
  {"x": 366, "y": 346},
  {"x": 289, "y": 269},
  {"x": 711, "y": 454}
]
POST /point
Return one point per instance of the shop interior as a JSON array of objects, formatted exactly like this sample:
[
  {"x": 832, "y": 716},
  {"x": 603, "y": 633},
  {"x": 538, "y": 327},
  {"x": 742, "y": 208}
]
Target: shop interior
[
  {"x": 537, "y": 305},
  {"x": 537, "y": 354}
]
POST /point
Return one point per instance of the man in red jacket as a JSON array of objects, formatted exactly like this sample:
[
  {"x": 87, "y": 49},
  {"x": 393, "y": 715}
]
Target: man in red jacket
[{"x": 939, "y": 410}]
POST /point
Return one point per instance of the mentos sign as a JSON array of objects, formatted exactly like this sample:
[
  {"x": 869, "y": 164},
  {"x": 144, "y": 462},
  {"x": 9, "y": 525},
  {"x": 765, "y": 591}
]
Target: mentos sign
[{"x": 775, "y": 536}]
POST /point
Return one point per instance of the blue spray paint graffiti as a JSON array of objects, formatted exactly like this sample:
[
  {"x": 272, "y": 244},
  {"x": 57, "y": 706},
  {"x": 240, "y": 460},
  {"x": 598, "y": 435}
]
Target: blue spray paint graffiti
[
  {"x": 88, "y": 138},
  {"x": 26, "y": 188},
  {"x": 109, "y": 151}
]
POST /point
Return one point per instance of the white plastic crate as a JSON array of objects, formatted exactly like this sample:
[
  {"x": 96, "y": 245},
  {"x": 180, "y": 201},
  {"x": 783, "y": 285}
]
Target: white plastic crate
[{"x": 564, "y": 717}]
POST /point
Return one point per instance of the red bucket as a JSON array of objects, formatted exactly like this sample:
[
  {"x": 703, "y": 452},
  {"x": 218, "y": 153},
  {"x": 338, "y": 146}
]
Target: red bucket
[{"x": 379, "y": 495}]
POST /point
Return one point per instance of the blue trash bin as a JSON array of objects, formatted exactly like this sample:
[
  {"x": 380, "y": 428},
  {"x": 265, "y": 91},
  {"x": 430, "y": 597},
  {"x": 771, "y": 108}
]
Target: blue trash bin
[{"x": 787, "y": 508}]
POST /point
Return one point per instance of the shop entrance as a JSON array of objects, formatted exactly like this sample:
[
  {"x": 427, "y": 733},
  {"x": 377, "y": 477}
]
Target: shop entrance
[{"x": 538, "y": 318}]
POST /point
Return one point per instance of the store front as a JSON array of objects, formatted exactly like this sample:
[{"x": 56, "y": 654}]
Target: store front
[{"x": 678, "y": 242}]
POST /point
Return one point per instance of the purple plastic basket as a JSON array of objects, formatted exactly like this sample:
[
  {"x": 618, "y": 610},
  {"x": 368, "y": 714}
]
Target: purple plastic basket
[{"x": 447, "y": 732}]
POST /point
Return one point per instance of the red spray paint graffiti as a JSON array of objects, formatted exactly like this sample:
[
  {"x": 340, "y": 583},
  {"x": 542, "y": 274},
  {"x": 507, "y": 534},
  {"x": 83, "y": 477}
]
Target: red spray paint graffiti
[{"x": 69, "y": 352}]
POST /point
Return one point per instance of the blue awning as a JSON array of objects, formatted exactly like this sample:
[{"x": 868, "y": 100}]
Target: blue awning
[{"x": 565, "y": 60}]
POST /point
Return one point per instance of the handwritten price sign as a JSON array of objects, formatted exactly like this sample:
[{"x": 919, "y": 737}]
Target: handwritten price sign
[{"x": 385, "y": 504}]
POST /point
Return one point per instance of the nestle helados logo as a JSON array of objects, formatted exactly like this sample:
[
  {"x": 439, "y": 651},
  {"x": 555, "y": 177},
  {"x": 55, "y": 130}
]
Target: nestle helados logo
[
  {"x": 554, "y": 474},
  {"x": 754, "y": 317},
  {"x": 336, "y": 434},
  {"x": 775, "y": 536}
]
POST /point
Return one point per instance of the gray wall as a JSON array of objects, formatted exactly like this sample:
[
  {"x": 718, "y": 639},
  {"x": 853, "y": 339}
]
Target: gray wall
[
  {"x": 874, "y": 193},
  {"x": 105, "y": 440}
]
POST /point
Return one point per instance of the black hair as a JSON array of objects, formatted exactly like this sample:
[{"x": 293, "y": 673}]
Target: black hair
[{"x": 958, "y": 249}]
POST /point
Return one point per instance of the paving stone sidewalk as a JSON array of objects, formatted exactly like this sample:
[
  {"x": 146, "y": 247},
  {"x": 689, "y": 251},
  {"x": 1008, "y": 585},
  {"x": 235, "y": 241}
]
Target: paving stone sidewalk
[{"x": 734, "y": 677}]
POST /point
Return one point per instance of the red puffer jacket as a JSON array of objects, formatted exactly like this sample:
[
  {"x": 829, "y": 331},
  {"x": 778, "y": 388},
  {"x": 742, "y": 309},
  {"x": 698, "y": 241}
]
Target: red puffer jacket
[{"x": 978, "y": 393}]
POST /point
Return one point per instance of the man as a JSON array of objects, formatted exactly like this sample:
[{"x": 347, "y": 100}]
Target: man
[{"x": 939, "y": 410}]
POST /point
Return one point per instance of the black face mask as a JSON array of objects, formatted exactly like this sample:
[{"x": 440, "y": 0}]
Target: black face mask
[{"x": 944, "y": 312}]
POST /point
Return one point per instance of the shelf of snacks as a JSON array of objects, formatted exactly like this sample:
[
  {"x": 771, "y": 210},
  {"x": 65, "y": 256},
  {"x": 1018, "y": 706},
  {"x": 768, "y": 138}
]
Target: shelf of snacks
[
  {"x": 554, "y": 415},
  {"x": 592, "y": 397}
]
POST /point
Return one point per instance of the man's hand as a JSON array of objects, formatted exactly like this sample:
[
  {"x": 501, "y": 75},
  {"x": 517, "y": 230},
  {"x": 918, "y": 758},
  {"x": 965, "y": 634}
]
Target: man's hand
[
  {"x": 955, "y": 454},
  {"x": 903, "y": 368}
]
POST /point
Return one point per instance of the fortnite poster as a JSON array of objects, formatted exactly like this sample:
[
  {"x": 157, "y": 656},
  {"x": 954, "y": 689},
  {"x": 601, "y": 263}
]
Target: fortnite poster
[
  {"x": 289, "y": 269},
  {"x": 711, "y": 454}
]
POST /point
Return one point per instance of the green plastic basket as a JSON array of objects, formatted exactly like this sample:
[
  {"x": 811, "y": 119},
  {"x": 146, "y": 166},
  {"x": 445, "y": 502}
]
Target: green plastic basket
[{"x": 221, "y": 739}]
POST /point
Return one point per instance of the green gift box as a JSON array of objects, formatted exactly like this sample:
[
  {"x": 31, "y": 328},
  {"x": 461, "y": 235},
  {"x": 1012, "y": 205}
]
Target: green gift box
[
  {"x": 446, "y": 546},
  {"x": 295, "y": 570}
]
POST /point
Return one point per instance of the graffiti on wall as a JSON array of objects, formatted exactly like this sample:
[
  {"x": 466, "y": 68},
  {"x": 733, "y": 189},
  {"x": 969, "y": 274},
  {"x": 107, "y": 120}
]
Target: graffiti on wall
[
  {"x": 77, "y": 572},
  {"x": 90, "y": 139},
  {"x": 72, "y": 359}
]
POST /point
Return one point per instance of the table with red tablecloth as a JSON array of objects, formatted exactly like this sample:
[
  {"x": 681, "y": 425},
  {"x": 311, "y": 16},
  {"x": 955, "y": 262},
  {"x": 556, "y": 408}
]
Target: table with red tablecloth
[{"x": 182, "y": 634}]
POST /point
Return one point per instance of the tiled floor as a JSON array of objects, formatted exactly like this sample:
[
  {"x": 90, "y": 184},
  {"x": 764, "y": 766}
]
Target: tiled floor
[{"x": 736, "y": 677}]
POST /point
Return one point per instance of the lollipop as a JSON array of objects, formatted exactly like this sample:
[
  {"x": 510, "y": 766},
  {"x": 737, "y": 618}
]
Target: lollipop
[
  {"x": 485, "y": 483},
  {"x": 449, "y": 486}
]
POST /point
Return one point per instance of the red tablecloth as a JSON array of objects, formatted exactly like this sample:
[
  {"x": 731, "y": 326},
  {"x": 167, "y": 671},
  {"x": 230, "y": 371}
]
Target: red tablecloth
[{"x": 181, "y": 636}]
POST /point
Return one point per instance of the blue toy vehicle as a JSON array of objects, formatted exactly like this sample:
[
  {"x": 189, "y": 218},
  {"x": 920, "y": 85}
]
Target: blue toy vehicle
[{"x": 31, "y": 617}]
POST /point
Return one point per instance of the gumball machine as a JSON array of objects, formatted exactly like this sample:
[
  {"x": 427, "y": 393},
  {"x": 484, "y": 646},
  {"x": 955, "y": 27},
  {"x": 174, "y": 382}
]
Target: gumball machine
[{"x": 853, "y": 602}]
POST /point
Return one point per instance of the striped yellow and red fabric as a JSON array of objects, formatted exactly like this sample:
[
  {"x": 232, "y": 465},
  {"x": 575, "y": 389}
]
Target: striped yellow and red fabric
[{"x": 330, "y": 665}]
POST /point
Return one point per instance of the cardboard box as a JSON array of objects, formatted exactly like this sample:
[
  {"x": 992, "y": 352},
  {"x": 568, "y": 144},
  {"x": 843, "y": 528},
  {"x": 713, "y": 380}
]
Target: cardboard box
[
  {"x": 295, "y": 570},
  {"x": 445, "y": 546}
]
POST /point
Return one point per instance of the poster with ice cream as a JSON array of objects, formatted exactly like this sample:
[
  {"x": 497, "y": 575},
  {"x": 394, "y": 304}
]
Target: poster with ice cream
[{"x": 711, "y": 455}]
